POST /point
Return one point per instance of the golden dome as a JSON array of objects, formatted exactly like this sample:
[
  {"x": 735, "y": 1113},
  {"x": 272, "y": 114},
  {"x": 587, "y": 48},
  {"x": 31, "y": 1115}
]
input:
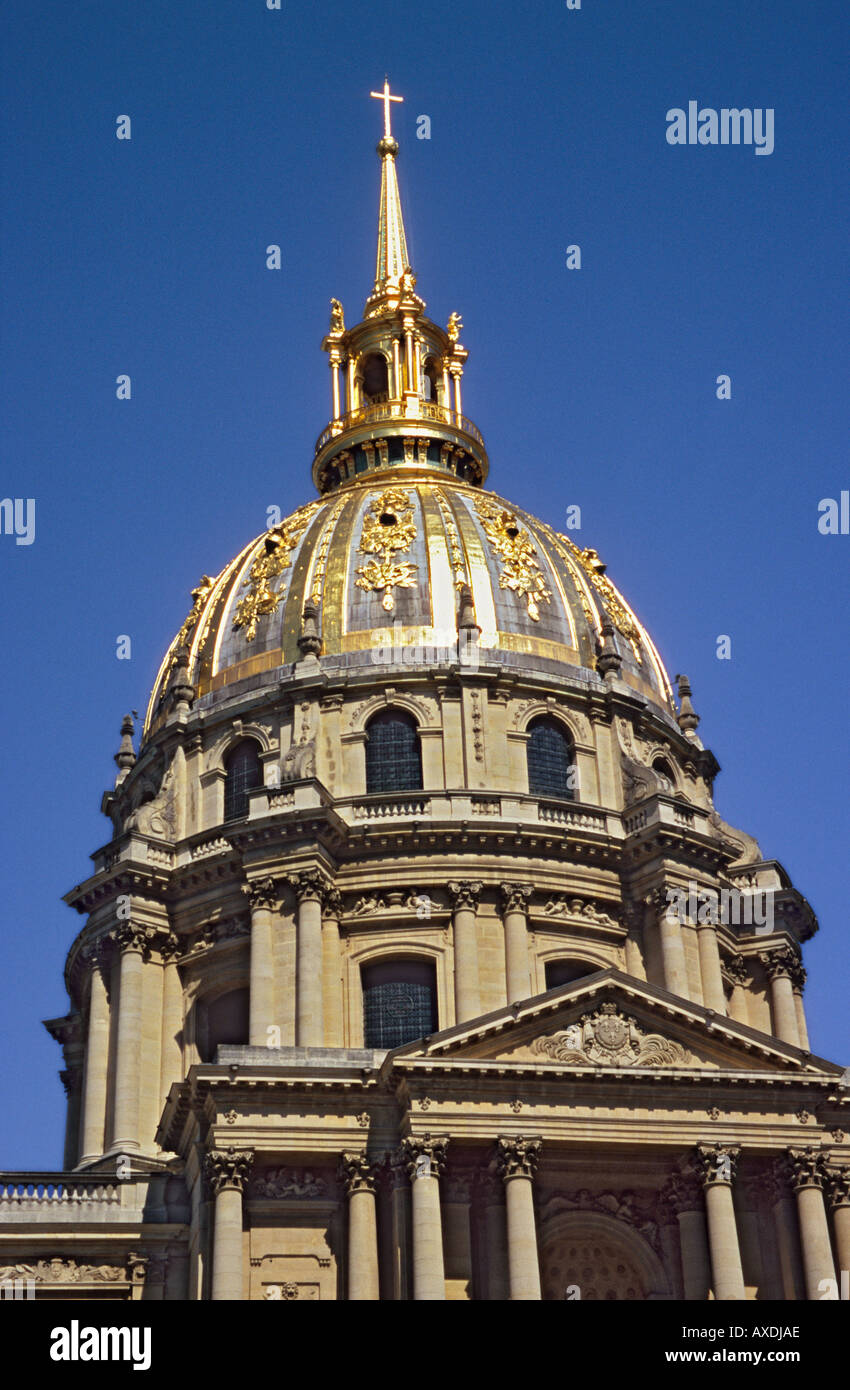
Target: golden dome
[
  {"x": 403, "y": 536},
  {"x": 384, "y": 561}
]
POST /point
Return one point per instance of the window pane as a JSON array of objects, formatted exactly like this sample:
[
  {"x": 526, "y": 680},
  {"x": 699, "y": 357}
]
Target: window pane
[
  {"x": 550, "y": 760},
  {"x": 393, "y": 763},
  {"x": 399, "y": 1003},
  {"x": 243, "y": 774}
]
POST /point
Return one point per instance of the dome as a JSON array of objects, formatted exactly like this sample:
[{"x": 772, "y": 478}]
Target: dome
[{"x": 380, "y": 566}]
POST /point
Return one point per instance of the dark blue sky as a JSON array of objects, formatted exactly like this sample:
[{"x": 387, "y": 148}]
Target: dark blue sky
[{"x": 595, "y": 387}]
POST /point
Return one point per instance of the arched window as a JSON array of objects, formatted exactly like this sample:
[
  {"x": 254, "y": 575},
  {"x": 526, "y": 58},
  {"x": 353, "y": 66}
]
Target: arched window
[
  {"x": 399, "y": 1002},
  {"x": 393, "y": 760},
  {"x": 222, "y": 1020},
  {"x": 375, "y": 378},
  {"x": 431, "y": 376},
  {"x": 551, "y": 761},
  {"x": 564, "y": 971},
  {"x": 242, "y": 769},
  {"x": 665, "y": 772}
]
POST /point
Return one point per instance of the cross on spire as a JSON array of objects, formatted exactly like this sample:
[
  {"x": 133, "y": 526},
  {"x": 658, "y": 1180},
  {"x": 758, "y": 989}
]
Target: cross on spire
[{"x": 386, "y": 97}]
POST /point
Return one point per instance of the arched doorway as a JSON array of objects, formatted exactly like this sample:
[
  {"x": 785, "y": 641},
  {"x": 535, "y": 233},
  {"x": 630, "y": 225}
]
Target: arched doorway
[{"x": 598, "y": 1258}]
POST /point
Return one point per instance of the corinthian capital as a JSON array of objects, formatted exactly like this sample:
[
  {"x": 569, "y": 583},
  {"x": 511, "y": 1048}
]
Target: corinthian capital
[
  {"x": 228, "y": 1168},
  {"x": 357, "y": 1174},
  {"x": 716, "y": 1163},
  {"x": 782, "y": 962},
  {"x": 332, "y": 902},
  {"x": 425, "y": 1155},
  {"x": 131, "y": 936},
  {"x": 309, "y": 884},
  {"x": 839, "y": 1187},
  {"x": 517, "y": 1157},
  {"x": 261, "y": 892},
  {"x": 808, "y": 1168},
  {"x": 464, "y": 893},
  {"x": 516, "y": 896},
  {"x": 734, "y": 968}
]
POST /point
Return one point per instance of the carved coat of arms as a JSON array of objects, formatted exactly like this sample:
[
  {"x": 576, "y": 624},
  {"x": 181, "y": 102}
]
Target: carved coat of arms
[{"x": 609, "y": 1038}]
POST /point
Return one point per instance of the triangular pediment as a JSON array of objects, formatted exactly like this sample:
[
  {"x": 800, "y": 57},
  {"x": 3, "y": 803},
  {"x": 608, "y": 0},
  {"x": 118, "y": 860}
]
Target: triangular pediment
[{"x": 612, "y": 1021}]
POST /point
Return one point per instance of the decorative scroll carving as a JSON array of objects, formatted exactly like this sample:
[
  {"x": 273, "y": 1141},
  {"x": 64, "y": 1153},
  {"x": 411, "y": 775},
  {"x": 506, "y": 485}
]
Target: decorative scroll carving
[
  {"x": 388, "y": 527},
  {"x": 288, "y": 1182},
  {"x": 154, "y": 811},
  {"x": 609, "y": 1038},
  {"x": 520, "y": 567},
  {"x": 228, "y": 1168},
  {"x": 300, "y": 759},
  {"x": 425, "y": 1155},
  {"x": 517, "y": 1157}
]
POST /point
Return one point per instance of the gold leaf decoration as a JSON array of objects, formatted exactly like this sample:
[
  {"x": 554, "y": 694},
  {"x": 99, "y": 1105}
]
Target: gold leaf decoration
[
  {"x": 388, "y": 527},
  {"x": 515, "y": 548},
  {"x": 277, "y": 555}
]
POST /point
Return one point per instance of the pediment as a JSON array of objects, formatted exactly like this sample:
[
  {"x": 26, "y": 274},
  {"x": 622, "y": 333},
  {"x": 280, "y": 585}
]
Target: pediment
[{"x": 610, "y": 1020}]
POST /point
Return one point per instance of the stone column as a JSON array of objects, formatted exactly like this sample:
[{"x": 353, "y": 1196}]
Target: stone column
[
  {"x": 359, "y": 1178},
  {"x": 669, "y": 929},
  {"x": 131, "y": 940},
  {"x": 490, "y": 1194},
  {"x": 515, "y": 899},
  {"x": 331, "y": 982},
  {"x": 464, "y": 898},
  {"x": 717, "y": 1164},
  {"x": 72, "y": 1080},
  {"x": 309, "y": 888},
  {"x": 839, "y": 1205},
  {"x": 93, "y": 1124},
  {"x": 737, "y": 977},
  {"x": 688, "y": 1202},
  {"x": 780, "y": 1197},
  {"x": 398, "y": 1190},
  {"x": 809, "y": 1178},
  {"x": 227, "y": 1172},
  {"x": 517, "y": 1161},
  {"x": 171, "y": 1051},
  {"x": 68, "y": 1032},
  {"x": 713, "y": 993},
  {"x": 263, "y": 895},
  {"x": 798, "y": 984},
  {"x": 426, "y": 1157},
  {"x": 780, "y": 965}
]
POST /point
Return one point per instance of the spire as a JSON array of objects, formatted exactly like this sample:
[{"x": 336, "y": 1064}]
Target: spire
[{"x": 392, "y": 261}]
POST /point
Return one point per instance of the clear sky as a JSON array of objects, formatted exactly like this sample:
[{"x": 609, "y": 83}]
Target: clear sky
[{"x": 595, "y": 386}]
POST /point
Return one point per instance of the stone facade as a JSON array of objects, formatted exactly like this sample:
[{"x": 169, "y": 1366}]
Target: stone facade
[{"x": 652, "y": 1127}]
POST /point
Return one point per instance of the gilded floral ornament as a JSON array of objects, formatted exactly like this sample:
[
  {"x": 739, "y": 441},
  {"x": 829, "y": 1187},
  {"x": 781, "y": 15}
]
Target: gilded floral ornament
[
  {"x": 388, "y": 527},
  {"x": 595, "y": 571},
  {"x": 199, "y": 595},
  {"x": 515, "y": 549},
  {"x": 277, "y": 555}
]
